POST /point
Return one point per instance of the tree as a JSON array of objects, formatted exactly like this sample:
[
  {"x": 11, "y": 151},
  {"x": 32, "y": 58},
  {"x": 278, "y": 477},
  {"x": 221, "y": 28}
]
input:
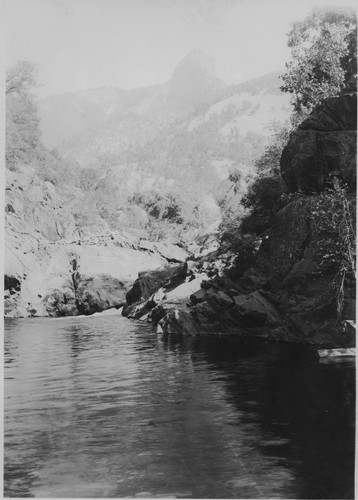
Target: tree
[
  {"x": 263, "y": 197},
  {"x": 22, "y": 122},
  {"x": 269, "y": 162},
  {"x": 21, "y": 79},
  {"x": 324, "y": 58}
]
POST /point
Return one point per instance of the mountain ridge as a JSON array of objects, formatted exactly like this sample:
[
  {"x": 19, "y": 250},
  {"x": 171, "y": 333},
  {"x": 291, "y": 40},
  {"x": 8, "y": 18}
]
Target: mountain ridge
[
  {"x": 193, "y": 87},
  {"x": 145, "y": 143}
]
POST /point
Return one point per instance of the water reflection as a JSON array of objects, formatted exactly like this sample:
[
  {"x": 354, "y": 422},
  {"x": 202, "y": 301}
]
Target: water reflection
[
  {"x": 306, "y": 409},
  {"x": 102, "y": 407}
]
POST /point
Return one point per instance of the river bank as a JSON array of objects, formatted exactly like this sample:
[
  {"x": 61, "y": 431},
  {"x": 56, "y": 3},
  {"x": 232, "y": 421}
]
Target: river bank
[
  {"x": 289, "y": 284},
  {"x": 53, "y": 267},
  {"x": 203, "y": 297}
]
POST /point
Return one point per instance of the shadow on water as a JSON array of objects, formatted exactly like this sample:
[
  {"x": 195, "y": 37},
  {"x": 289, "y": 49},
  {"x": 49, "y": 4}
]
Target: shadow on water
[
  {"x": 103, "y": 407},
  {"x": 305, "y": 407}
]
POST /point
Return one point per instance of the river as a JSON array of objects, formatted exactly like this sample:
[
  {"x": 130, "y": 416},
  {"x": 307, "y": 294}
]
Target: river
[{"x": 104, "y": 407}]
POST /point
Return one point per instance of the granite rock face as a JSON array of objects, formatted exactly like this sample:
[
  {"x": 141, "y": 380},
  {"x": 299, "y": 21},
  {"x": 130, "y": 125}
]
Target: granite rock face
[
  {"x": 149, "y": 282},
  {"x": 42, "y": 241},
  {"x": 86, "y": 295},
  {"x": 284, "y": 296},
  {"x": 291, "y": 305},
  {"x": 323, "y": 146},
  {"x": 46, "y": 283}
]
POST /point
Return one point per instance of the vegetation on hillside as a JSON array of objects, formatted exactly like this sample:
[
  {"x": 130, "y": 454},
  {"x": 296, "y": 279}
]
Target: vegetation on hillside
[
  {"x": 324, "y": 63},
  {"x": 197, "y": 170},
  {"x": 22, "y": 123},
  {"x": 173, "y": 185},
  {"x": 323, "y": 58}
]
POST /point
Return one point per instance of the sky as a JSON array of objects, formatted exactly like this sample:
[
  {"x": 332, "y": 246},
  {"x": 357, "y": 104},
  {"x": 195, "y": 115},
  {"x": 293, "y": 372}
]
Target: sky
[{"x": 81, "y": 44}]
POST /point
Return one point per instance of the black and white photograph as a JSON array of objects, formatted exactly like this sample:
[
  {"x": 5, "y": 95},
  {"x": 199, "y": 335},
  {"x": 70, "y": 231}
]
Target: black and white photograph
[{"x": 179, "y": 249}]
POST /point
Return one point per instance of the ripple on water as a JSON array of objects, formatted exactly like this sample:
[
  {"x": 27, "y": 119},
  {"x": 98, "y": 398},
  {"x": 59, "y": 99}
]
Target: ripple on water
[{"x": 103, "y": 407}]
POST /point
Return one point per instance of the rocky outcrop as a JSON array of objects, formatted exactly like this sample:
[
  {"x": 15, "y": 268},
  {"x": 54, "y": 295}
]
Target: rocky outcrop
[
  {"x": 149, "y": 282},
  {"x": 194, "y": 82},
  {"x": 198, "y": 298},
  {"x": 172, "y": 285},
  {"x": 46, "y": 277},
  {"x": 43, "y": 241},
  {"x": 191, "y": 303},
  {"x": 324, "y": 145},
  {"x": 35, "y": 209},
  {"x": 285, "y": 296},
  {"x": 298, "y": 307},
  {"x": 169, "y": 251},
  {"x": 86, "y": 295}
]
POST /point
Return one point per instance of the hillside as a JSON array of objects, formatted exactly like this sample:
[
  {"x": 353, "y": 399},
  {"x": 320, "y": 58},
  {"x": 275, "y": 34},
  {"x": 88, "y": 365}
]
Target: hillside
[
  {"x": 192, "y": 131},
  {"x": 67, "y": 115},
  {"x": 84, "y": 126},
  {"x": 148, "y": 164},
  {"x": 295, "y": 282},
  {"x": 44, "y": 238}
]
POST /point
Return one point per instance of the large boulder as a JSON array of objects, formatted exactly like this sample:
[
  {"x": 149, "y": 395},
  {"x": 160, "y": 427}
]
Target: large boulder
[
  {"x": 61, "y": 301},
  {"x": 96, "y": 294},
  {"x": 148, "y": 282},
  {"x": 42, "y": 239},
  {"x": 323, "y": 146},
  {"x": 173, "y": 294},
  {"x": 85, "y": 295},
  {"x": 45, "y": 275},
  {"x": 179, "y": 322}
]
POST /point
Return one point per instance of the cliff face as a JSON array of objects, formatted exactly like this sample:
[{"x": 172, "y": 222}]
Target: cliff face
[
  {"x": 193, "y": 82},
  {"x": 51, "y": 270},
  {"x": 324, "y": 145},
  {"x": 286, "y": 295},
  {"x": 322, "y": 148}
]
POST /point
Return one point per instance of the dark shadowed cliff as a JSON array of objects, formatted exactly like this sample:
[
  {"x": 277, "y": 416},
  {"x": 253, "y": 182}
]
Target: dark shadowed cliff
[{"x": 301, "y": 285}]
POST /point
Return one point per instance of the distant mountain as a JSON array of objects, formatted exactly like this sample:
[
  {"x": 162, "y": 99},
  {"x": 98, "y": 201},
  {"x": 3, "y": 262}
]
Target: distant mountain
[
  {"x": 249, "y": 107},
  {"x": 194, "y": 82},
  {"x": 65, "y": 116},
  {"x": 191, "y": 131}
]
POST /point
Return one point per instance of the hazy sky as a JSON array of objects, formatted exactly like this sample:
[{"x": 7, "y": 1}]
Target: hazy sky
[{"x": 79, "y": 44}]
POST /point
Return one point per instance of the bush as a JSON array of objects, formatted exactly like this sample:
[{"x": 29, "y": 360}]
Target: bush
[
  {"x": 246, "y": 249},
  {"x": 332, "y": 217},
  {"x": 264, "y": 195},
  {"x": 52, "y": 168},
  {"x": 264, "y": 198}
]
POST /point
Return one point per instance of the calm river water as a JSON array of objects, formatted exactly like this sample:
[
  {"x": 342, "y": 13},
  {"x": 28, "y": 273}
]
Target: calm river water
[{"x": 103, "y": 407}]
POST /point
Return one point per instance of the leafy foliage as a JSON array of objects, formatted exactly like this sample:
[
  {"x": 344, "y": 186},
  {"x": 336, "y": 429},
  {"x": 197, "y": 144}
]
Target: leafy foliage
[
  {"x": 264, "y": 195},
  {"x": 22, "y": 122},
  {"x": 324, "y": 57},
  {"x": 159, "y": 207},
  {"x": 264, "y": 199},
  {"x": 333, "y": 220},
  {"x": 246, "y": 249},
  {"x": 332, "y": 223},
  {"x": 52, "y": 168},
  {"x": 21, "y": 79}
]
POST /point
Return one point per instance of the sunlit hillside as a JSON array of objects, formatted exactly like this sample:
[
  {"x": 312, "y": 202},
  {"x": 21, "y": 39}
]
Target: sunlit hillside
[{"x": 183, "y": 139}]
